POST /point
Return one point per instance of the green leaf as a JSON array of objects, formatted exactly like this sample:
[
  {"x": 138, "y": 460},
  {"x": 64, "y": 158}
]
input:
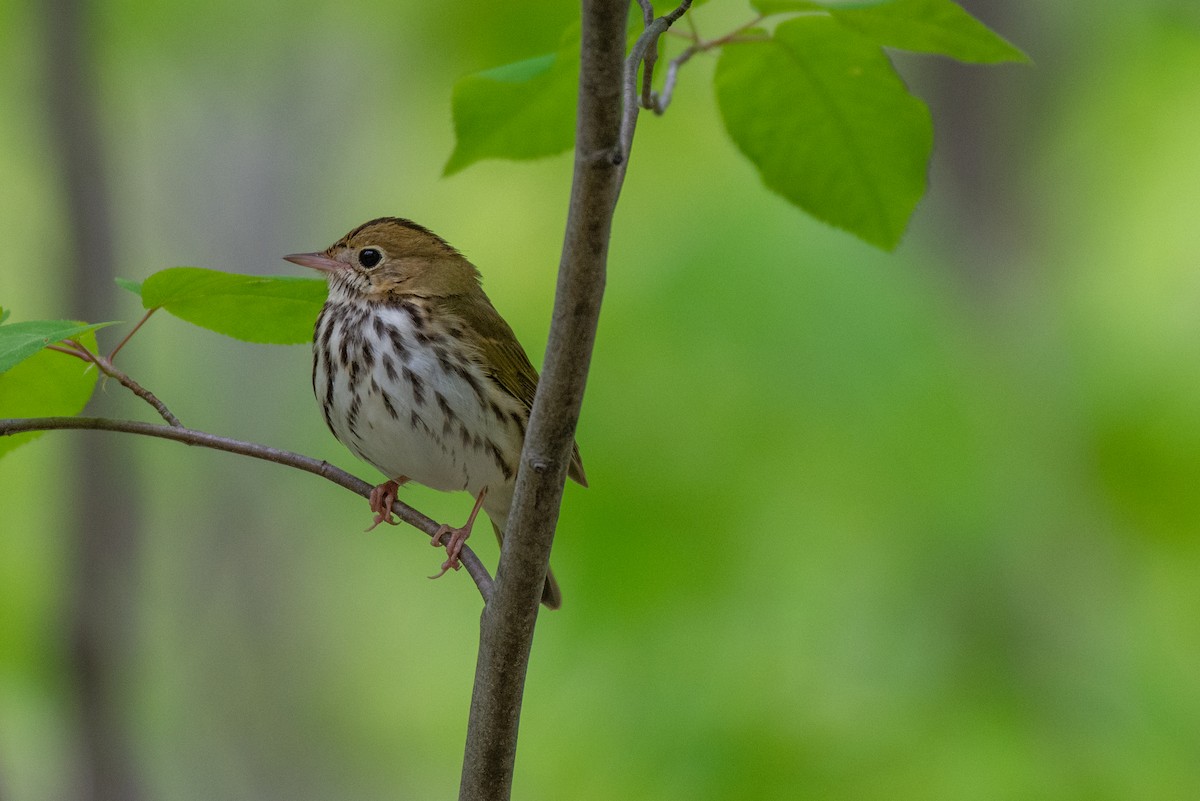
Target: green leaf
[
  {"x": 524, "y": 110},
  {"x": 4, "y": 314},
  {"x": 276, "y": 310},
  {"x": 830, "y": 126},
  {"x": 929, "y": 26},
  {"x": 47, "y": 384},
  {"x": 520, "y": 111},
  {"x": 133, "y": 286},
  {"x": 520, "y": 71},
  {"x": 786, "y": 6},
  {"x": 19, "y": 341}
]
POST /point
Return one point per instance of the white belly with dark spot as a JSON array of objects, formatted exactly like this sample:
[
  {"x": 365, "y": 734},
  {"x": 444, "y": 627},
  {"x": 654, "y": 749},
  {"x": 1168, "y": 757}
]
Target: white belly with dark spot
[{"x": 398, "y": 397}]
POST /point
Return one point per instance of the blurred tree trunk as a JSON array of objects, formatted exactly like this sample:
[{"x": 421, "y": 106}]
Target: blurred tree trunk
[
  {"x": 104, "y": 549},
  {"x": 983, "y": 131}
]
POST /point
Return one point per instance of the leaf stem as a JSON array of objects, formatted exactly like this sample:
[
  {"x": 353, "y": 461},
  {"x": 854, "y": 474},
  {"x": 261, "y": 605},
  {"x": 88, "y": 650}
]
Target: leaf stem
[{"x": 132, "y": 331}]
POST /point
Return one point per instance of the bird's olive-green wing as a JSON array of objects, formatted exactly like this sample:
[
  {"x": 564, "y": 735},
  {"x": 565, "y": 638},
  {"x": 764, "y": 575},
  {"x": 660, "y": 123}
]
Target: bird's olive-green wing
[{"x": 502, "y": 356}]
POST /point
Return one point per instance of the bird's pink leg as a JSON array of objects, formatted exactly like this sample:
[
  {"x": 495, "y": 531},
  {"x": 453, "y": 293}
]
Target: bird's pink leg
[
  {"x": 382, "y": 498},
  {"x": 457, "y": 537}
]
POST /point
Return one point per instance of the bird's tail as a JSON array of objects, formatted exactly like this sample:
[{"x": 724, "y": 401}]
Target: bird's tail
[{"x": 551, "y": 594}]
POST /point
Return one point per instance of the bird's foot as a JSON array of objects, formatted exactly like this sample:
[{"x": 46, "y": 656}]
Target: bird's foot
[
  {"x": 458, "y": 536},
  {"x": 382, "y": 498}
]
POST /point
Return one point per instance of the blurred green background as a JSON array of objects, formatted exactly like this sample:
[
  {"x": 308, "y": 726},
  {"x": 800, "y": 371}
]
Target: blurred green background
[{"x": 861, "y": 526}]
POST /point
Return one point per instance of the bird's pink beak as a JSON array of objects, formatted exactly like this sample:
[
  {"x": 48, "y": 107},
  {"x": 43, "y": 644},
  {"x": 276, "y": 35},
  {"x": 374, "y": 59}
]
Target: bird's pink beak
[{"x": 317, "y": 261}]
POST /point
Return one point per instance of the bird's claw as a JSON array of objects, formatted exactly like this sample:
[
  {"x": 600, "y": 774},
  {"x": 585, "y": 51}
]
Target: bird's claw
[
  {"x": 454, "y": 546},
  {"x": 458, "y": 537},
  {"x": 382, "y": 498}
]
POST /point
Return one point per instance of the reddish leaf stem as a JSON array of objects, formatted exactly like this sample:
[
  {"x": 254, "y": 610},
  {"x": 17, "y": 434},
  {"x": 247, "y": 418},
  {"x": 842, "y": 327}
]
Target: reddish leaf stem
[{"x": 132, "y": 331}]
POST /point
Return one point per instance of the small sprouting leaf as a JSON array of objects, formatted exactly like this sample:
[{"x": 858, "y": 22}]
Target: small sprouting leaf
[
  {"x": 520, "y": 111},
  {"x": 132, "y": 286},
  {"x": 19, "y": 341},
  {"x": 44, "y": 385},
  {"x": 929, "y": 26},
  {"x": 829, "y": 125},
  {"x": 4, "y": 313},
  {"x": 278, "y": 310}
]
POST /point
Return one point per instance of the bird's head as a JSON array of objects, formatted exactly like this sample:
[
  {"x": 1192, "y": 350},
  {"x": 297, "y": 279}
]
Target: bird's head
[{"x": 391, "y": 257}]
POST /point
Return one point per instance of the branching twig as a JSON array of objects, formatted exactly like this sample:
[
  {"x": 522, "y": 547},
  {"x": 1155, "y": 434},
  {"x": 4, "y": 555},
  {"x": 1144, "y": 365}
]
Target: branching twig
[
  {"x": 659, "y": 102},
  {"x": 306, "y": 463},
  {"x": 651, "y": 55},
  {"x": 106, "y": 366},
  {"x": 663, "y": 99},
  {"x": 644, "y": 49}
]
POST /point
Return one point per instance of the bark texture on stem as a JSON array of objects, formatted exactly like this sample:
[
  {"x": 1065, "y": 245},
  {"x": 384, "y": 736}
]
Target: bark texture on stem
[{"x": 507, "y": 625}]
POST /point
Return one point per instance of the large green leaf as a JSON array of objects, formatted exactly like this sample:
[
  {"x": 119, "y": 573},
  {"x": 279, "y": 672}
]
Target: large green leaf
[
  {"x": 830, "y": 126},
  {"x": 520, "y": 111},
  {"x": 46, "y": 384},
  {"x": 929, "y": 26},
  {"x": 275, "y": 310},
  {"x": 20, "y": 341},
  {"x": 524, "y": 110}
]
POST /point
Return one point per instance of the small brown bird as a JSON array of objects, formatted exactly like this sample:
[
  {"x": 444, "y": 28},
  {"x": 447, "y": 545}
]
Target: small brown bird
[{"x": 418, "y": 374}]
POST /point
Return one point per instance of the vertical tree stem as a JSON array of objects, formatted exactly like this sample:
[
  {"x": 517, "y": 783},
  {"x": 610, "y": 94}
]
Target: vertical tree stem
[{"x": 507, "y": 624}]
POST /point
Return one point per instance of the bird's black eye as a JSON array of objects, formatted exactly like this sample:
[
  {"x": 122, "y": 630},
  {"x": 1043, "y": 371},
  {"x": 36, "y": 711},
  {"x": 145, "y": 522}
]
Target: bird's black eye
[{"x": 369, "y": 257}]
